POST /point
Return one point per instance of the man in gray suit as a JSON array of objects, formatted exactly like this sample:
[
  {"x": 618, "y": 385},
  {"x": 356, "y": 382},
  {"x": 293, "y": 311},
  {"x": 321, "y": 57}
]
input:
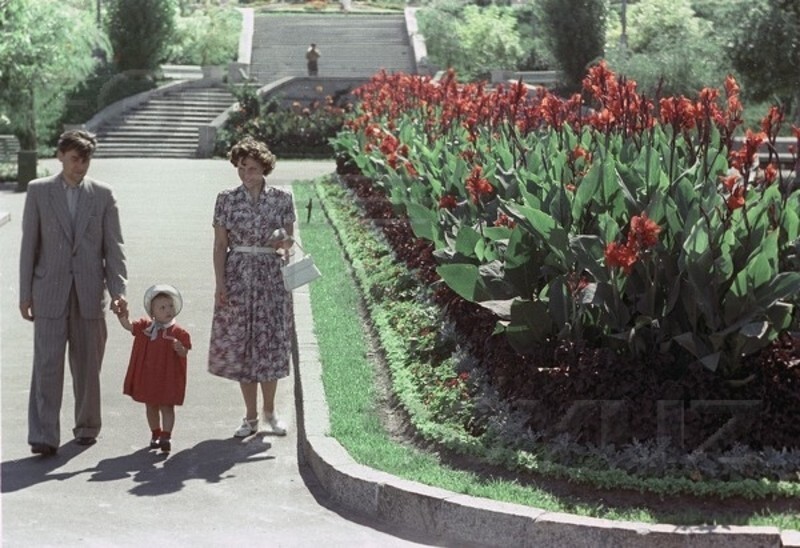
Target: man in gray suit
[{"x": 72, "y": 251}]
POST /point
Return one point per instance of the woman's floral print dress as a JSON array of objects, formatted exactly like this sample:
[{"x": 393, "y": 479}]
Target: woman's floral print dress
[{"x": 250, "y": 334}]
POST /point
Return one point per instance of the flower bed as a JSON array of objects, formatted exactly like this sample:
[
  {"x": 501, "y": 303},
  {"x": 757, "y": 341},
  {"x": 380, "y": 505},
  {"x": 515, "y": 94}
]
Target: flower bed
[{"x": 645, "y": 289}]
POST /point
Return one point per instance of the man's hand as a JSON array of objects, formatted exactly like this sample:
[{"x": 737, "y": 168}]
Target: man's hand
[
  {"x": 26, "y": 309},
  {"x": 119, "y": 306}
]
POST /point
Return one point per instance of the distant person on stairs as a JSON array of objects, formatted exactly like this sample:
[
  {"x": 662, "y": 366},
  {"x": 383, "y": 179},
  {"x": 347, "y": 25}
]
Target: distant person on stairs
[{"x": 312, "y": 56}]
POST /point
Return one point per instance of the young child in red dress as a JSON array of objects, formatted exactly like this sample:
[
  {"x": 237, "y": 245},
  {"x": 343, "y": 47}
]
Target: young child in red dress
[{"x": 157, "y": 370}]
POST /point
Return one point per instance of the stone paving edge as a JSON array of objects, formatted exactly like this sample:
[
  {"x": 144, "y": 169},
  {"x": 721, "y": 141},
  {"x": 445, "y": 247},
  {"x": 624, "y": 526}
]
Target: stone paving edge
[{"x": 455, "y": 518}]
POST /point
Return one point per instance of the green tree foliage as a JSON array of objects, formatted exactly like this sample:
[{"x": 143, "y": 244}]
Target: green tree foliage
[
  {"x": 575, "y": 31},
  {"x": 45, "y": 51},
  {"x": 530, "y": 27},
  {"x": 489, "y": 38},
  {"x": 207, "y": 36},
  {"x": 471, "y": 39},
  {"x": 766, "y": 51},
  {"x": 670, "y": 49},
  {"x": 140, "y": 31},
  {"x": 437, "y": 23}
]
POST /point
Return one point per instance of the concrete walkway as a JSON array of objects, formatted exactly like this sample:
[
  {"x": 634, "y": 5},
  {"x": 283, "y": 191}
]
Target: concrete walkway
[{"x": 213, "y": 490}]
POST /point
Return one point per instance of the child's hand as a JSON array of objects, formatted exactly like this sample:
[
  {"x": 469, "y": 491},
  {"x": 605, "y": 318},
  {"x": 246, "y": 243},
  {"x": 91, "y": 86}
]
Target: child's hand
[
  {"x": 119, "y": 306},
  {"x": 179, "y": 348}
]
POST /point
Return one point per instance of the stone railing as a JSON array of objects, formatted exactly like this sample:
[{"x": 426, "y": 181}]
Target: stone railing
[
  {"x": 417, "y": 42},
  {"x": 546, "y": 78}
]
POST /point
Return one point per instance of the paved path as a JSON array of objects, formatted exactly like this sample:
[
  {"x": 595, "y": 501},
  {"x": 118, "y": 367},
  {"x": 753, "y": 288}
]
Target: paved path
[{"x": 212, "y": 490}]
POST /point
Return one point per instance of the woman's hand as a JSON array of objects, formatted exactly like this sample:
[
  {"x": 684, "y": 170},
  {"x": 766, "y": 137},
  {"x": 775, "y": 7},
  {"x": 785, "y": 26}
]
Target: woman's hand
[{"x": 221, "y": 296}]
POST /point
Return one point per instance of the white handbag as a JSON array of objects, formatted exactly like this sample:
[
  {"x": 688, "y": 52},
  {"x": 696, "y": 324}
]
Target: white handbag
[{"x": 299, "y": 272}]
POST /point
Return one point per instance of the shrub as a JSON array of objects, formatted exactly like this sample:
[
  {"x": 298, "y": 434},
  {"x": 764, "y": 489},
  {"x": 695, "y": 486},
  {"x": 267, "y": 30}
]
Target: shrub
[{"x": 295, "y": 131}]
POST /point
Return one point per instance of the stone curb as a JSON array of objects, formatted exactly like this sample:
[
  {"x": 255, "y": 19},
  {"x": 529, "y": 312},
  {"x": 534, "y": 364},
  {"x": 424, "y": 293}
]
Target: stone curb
[{"x": 461, "y": 519}]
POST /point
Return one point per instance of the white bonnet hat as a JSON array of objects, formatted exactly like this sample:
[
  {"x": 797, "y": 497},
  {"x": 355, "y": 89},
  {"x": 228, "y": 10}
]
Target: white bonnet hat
[{"x": 154, "y": 290}]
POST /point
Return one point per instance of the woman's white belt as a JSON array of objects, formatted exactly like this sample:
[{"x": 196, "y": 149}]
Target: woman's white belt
[{"x": 252, "y": 249}]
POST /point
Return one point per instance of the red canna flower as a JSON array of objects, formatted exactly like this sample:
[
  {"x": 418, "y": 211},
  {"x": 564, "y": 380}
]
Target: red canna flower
[
  {"x": 731, "y": 86},
  {"x": 448, "y": 202},
  {"x": 771, "y": 123},
  {"x": 504, "y": 220},
  {"x": 621, "y": 255},
  {"x": 576, "y": 284},
  {"x": 580, "y": 152},
  {"x": 603, "y": 120},
  {"x": 770, "y": 174},
  {"x": 731, "y": 180},
  {"x": 679, "y": 112},
  {"x": 389, "y": 144},
  {"x": 744, "y": 158},
  {"x": 736, "y": 199},
  {"x": 645, "y": 231},
  {"x": 478, "y": 186},
  {"x": 411, "y": 170}
]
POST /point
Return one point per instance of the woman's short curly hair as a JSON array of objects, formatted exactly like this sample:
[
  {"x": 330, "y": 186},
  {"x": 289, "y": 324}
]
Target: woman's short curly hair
[{"x": 252, "y": 148}]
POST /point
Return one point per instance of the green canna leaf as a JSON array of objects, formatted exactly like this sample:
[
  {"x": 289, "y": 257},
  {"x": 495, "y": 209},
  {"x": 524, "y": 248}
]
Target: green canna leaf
[
  {"x": 465, "y": 280},
  {"x": 466, "y": 240},
  {"x": 424, "y": 221}
]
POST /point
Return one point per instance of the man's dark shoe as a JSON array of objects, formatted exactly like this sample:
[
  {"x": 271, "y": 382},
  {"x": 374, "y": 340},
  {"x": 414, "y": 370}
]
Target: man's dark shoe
[
  {"x": 86, "y": 440},
  {"x": 43, "y": 449}
]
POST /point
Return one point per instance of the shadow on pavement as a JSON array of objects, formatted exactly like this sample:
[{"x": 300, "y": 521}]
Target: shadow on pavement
[
  {"x": 155, "y": 473},
  {"x": 209, "y": 460},
  {"x": 23, "y": 473}
]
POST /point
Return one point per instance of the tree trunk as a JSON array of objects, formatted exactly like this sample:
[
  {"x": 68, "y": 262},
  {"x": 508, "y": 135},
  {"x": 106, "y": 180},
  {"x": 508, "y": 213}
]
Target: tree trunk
[{"x": 26, "y": 168}]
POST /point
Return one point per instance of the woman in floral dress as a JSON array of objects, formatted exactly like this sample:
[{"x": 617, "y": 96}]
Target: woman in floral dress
[{"x": 250, "y": 331}]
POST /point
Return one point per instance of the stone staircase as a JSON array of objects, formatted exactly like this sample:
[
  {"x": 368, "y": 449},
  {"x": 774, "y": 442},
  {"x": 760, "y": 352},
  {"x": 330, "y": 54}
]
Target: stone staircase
[
  {"x": 352, "y": 45},
  {"x": 166, "y": 126}
]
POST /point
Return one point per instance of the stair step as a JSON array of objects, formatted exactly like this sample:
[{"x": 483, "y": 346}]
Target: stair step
[
  {"x": 163, "y": 138},
  {"x": 199, "y": 117},
  {"x": 166, "y": 135},
  {"x": 184, "y": 128}
]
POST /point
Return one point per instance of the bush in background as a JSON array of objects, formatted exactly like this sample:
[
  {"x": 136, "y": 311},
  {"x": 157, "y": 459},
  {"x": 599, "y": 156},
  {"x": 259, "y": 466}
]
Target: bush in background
[{"x": 301, "y": 130}]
